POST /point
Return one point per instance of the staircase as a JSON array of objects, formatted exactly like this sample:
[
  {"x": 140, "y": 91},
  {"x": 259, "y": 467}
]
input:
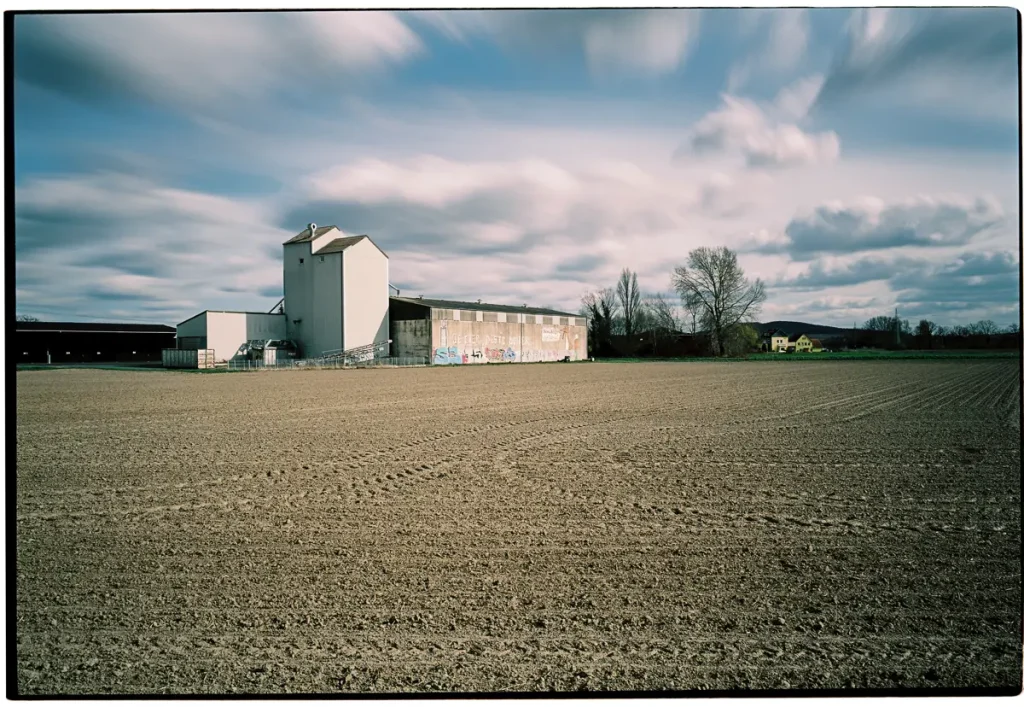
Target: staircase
[{"x": 357, "y": 355}]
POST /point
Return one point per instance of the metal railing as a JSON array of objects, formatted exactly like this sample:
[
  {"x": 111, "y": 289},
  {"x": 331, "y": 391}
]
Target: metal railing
[
  {"x": 327, "y": 363},
  {"x": 358, "y": 354}
]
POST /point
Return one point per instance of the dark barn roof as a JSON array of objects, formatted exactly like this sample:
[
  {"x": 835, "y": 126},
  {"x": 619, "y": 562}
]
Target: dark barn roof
[
  {"x": 482, "y": 307},
  {"x": 94, "y": 327}
]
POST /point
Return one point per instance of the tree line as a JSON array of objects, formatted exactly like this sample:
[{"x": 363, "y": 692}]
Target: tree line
[
  {"x": 715, "y": 308},
  {"x": 716, "y": 305},
  {"x": 886, "y": 332}
]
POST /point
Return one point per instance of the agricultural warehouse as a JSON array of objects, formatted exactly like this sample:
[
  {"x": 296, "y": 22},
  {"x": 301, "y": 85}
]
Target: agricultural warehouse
[
  {"x": 466, "y": 332},
  {"x": 336, "y": 299},
  {"x": 78, "y": 342}
]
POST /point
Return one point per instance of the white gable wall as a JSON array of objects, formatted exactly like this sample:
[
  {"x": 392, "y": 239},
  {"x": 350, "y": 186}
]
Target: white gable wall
[
  {"x": 227, "y": 331},
  {"x": 365, "y": 294}
]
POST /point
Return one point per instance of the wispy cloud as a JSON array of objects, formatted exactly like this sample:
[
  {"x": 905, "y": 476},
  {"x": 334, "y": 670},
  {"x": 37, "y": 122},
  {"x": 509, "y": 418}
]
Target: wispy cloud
[
  {"x": 114, "y": 237},
  {"x": 786, "y": 36},
  {"x": 905, "y": 47},
  {"x": 615, "y": 43},
  {"x": 205, "y": 62}
]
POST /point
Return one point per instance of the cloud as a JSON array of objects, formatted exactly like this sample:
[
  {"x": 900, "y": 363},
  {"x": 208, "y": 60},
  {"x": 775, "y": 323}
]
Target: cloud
[
  {"x": 433, "y": 200},
  {"x": 973, "y": 278},
  {"x": 889, "y": 47},
  {"x": 788, "y": 31},
  {"x": 871, "y": 224},
  {"x": 204, "y": 62},
  {"x": 615, "y": 43},
  {"x": 830, "y": 310},
  {"x": 793, "y": 102},
  {"x": 972, "y": 285},
  {"x": 83, "y": 242},
  {"x": 519, "y": 226},
  {"x": 433, "y": 181},
  {"x": 652, "y": 42},
  {"x": 869, "y": 269},
  {"x": 742, "y": 127}
]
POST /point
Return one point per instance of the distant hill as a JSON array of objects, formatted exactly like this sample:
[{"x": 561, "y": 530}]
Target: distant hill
[{"x": 813, "y": 330}]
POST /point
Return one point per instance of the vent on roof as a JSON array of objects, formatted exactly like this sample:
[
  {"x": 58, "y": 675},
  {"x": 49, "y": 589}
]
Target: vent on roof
[{"x": 312, "y": 229}]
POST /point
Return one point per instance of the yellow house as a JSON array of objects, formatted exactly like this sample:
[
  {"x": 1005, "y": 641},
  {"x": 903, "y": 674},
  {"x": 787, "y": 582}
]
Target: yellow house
[
  {"x": 775, "y": 340},
  {"x": 801, "y": 343}
]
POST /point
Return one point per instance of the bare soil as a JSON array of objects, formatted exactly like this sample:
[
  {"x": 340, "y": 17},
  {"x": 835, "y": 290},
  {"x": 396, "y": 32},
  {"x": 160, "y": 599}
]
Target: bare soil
[{"x": 520, "y": 527}]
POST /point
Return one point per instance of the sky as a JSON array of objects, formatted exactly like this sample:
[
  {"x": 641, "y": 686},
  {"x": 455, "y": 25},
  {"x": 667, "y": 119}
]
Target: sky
[{"x": 856, "y": 160}]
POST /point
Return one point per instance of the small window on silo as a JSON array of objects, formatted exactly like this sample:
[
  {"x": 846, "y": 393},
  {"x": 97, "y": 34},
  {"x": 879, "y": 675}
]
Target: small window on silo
[
  {"x": 321, "y": 258},
  {"x": 301, "y": 261}
]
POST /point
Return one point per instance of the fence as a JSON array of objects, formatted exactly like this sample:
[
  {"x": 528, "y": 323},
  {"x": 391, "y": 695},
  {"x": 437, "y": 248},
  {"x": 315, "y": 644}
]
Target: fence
[
  {"x": 330, "y": 363},
  {"x": 187, "y": 358}
]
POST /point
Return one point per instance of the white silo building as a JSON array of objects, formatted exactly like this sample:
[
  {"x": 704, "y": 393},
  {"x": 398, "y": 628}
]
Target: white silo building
[
  {"x": 336, "y": 299},
  {"x": 335, "y": 291}
]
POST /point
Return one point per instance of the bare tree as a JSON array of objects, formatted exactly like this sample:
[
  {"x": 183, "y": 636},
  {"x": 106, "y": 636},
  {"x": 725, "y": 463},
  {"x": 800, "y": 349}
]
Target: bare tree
[
  {"x": 660, "y": 313},
  {"x": 630, "y": 303},
  {"x": 691, "y": 305},
  {"x": 713, "y": 282},
  {"x": 985, "y": 327},
  {"x": 600, "y": 309},
  {"x": 885, "y": 323}
]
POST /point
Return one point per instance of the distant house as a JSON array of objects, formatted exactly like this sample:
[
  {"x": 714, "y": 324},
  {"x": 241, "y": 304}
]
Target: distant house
[
  {"x": 815, "y": 345},
  {"x": 801, "y": 343},
  {"x": 776, "y": 340}
]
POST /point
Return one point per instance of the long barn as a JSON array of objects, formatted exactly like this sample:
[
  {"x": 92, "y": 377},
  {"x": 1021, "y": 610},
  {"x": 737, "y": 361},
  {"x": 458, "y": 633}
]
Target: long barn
[
  {"x": 452, "y": 332},
  {"x": 79, "y": 342}
]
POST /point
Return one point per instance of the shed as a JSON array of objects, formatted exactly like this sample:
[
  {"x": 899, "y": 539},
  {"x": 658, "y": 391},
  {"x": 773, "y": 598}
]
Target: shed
[{"x": 226, "y": 331}]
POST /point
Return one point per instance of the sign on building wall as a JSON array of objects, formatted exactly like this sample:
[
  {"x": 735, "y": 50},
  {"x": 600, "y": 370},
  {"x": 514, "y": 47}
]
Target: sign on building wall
[{"x": 550, "y": 333}]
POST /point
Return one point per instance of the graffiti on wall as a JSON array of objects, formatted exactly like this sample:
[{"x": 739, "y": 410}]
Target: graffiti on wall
[
  {"x": 506, "y": 355},
  {"x": 572, "y": 340},
  {"x": 448, "y": 355},
  {"x": 449, "y": 338},
  {"x": 550, "y": 333}
]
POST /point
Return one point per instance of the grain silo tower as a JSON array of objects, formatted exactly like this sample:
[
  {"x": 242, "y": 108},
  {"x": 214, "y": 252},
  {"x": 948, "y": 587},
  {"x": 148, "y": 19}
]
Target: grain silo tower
[{"x": 335, "y": 291}]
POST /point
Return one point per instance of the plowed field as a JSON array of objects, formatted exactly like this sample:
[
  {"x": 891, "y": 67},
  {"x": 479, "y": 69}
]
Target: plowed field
[{"x": 592, "y": 526}]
